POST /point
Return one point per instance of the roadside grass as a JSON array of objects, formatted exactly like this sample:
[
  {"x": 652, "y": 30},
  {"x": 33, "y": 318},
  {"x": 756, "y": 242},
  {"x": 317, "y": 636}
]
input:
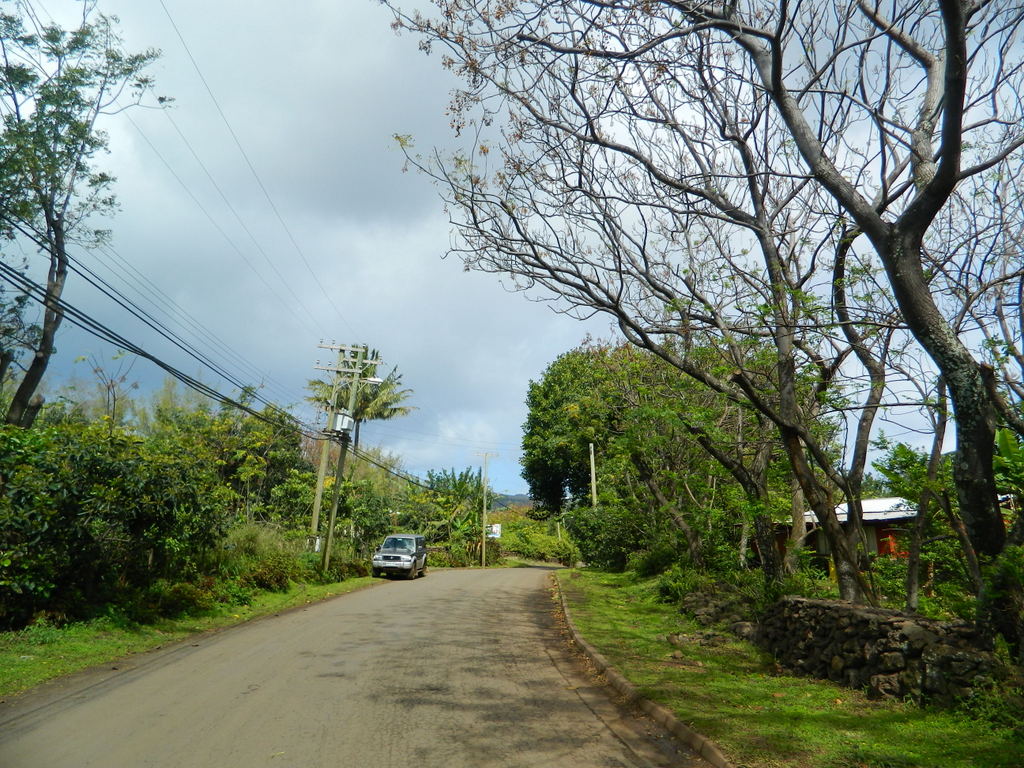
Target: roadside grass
[
  {"x": 736, "y": 696},
  {"x": 42, "y": 652}
]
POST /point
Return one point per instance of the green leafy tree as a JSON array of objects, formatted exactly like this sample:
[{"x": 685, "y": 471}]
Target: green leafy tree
[
  {"x": 291, "y": 499},
  {"x": 565, "y": 413},
  {"x": 938, "y": 544},
  {"x": 671, "y": 458},
  {"x": 55, "y": 84},
  {"x": 88, "y": 515},
  {"x": 251, "y": 455},
  {"x": 369, "y": 505},
  {"x": 1009, "y": 464},
  {"x": 447, "y": 509}
]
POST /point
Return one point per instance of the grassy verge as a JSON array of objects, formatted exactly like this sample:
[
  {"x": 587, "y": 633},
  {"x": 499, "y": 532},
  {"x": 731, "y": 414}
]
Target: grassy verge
[
  {"x": 40, "y": 653},
  {"x": 761, "y": 718}
]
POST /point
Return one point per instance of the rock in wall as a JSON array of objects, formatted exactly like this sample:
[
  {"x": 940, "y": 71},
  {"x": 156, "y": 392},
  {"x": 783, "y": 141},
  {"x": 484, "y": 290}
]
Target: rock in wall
[{"x": 889, "y": 653}]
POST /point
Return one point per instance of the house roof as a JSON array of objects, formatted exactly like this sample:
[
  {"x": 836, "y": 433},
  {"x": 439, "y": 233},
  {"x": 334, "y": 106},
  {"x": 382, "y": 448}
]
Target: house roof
[{"x": 875, "y": 510}]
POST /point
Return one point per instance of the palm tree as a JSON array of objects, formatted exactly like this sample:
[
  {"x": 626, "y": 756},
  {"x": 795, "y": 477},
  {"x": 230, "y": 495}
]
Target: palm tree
[{"x": 379, "y": 402}]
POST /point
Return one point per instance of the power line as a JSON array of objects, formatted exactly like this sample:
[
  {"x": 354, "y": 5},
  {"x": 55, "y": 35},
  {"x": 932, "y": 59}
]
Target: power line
[
  {"x": 216, "y": 224},
  {"x": 176, "y": 311},
  {"x": 284, "y": 419},
  {"x": 146, "y": 318},
  {"x": 238, "y": 218},
  {"x": 127, "y": 273},
  {"x": 89, "y": 324},
  {"x": 402, "y": 433},
  {"x": 251, "y": 166},
  {"x": 86, "y": 322}
]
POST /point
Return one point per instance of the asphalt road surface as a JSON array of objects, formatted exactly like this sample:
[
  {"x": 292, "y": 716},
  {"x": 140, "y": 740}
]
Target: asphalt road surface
[{"x": 459, "y": 669}]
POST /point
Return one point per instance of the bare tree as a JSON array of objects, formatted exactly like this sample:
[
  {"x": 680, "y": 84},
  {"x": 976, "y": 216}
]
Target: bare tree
[
  {"x": 650, "y": 149},
  {"x": 666, "y": 197}
]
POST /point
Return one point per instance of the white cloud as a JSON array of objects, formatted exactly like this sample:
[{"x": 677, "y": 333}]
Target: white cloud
[{"x": 315, "y": 91}]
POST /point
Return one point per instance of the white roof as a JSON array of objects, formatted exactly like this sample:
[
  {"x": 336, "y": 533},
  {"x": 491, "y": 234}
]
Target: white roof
[{"x": 875, "y": 510}]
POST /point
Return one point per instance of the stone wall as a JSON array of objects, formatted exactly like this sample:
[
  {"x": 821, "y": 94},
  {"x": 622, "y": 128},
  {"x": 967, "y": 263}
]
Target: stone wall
[{"x": 887, "y": 652}]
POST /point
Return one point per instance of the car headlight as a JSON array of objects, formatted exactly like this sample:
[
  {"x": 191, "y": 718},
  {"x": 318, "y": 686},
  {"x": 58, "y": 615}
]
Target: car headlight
[{"x": 406, "y": 559}]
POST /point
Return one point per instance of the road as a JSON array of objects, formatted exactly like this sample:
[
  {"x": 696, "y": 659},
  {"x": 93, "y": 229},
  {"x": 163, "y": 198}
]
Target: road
[{"x": 461, "y": 669}]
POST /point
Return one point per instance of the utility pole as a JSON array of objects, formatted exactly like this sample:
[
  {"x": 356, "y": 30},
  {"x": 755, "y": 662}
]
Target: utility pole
[
  {"x": 483, "y": 511},
  {"x": 325, "y": 451},
  {"x": 593, "y": 479},
  {"x": 350, "y": 367}
]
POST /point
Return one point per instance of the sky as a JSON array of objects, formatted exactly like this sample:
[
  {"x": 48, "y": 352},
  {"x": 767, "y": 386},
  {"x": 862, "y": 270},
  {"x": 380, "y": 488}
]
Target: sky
[{"x": 270, "y": 206}]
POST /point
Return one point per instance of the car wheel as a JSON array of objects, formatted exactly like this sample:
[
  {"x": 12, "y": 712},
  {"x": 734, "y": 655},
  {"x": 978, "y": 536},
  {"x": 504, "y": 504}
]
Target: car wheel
[
  {"x": 375, "y": 572},
  {"x": 412, "y": 572},
  {"x": 423, "y": 570}
]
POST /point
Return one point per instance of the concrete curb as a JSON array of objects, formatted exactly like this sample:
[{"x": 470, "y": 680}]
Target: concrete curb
[{"x": 700, "y": 744}]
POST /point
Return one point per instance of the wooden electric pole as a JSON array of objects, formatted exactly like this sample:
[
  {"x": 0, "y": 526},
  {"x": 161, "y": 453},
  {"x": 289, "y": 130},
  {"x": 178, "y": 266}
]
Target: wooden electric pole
[
  {"x": 349, "y": 369},
  {"x": 483, "y": 511},
  {"x": 593, "y": 478},
  {"x": 325, "y": 450}
]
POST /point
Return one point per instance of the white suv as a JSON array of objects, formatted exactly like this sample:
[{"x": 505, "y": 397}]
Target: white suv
[{"x": 403, "y": 554}]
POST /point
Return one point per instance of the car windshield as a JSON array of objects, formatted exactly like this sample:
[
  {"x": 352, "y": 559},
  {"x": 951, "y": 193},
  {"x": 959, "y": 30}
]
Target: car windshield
[{"x": 394, "y": 542}]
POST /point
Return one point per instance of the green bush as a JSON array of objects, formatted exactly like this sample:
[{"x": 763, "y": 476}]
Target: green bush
[
  {"x": 232, "y": 592},
  {"x": 443, "y": 558},
  {"x": 354, "y": 569},
  {"x": 169, "y": 598},
  {"x": 273, "y": 572},
  {"x": 334, "y": 574},
  {"x": 605, "y": 536},
  {"x": 248, "y": 543},
  {"x": 889, "y": 575},
  {"x": 651, "y": 562},
  {"x": 262, "y": 557},
  {"x": 530, "y": 540},
  {"x": 809, "y": 582},
  {"x": 1000, "y": 704},
  {"x": 677, "y": 582},
  {"x": 340, "y": 570},
  {"x": 308, "y": 568},
  {"x": 751, "y": 591},
  {"x": 566, "y": 552},
  {"x": 456, "y": 554},
  {"x": 186, "y": 597},
  {"x": 42, "y": 631},
  {"x": 89, "y": 514}
]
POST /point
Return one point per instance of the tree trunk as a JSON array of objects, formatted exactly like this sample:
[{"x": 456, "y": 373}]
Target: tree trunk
[
  {"x": 852, "y": 585},
  {"x": 976, "y": 414},
  {"x": 970, "y": 557},
  {"x": 768, "y": 551},
  {"x": 6, "y": 358},
  {"x": 744, "y": 539},
  {"x": 913, "y": 580},
  {"x": 693, "y": 540},
  {"x": 21, "y": 412},
  {"x": 797, "y": 530},
  {"x": 925, "y": 502}
]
